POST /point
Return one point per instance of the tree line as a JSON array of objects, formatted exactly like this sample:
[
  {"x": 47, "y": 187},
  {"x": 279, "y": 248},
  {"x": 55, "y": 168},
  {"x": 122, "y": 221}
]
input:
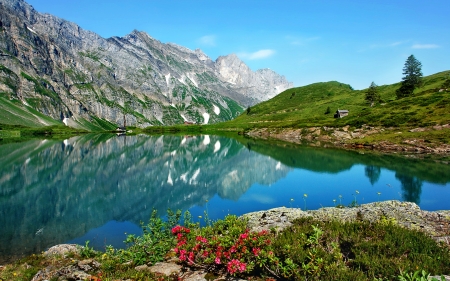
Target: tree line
[{"x": 411, "y": 80}]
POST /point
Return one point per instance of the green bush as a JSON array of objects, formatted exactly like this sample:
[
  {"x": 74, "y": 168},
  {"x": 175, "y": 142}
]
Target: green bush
[{"x": 358, "y": 250}]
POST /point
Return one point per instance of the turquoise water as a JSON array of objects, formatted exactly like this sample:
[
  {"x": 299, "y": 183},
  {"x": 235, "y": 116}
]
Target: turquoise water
[{"x": 99, "y": 187}]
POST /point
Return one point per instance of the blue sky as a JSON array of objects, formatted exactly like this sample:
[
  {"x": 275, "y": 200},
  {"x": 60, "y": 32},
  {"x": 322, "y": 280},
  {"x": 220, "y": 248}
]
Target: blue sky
[{"x": 354, "y": 42}]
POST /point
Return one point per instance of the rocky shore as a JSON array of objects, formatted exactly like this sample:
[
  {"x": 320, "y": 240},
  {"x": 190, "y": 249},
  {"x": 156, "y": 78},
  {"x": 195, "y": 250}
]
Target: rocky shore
[
  {"x": 436, "y": 224},
  {"x": 406, "y": 214},
  {"x": 354, "y": 138}
]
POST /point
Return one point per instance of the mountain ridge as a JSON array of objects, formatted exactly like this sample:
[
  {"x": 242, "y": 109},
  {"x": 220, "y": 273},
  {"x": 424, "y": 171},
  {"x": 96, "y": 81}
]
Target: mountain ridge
[{"x": 68, "y": 73}]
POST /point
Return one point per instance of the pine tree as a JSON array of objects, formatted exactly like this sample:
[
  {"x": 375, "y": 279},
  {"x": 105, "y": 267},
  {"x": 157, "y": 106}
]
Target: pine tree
[
  {"x": 372, "y": 94},
  {"x": 412, "y": 78}
]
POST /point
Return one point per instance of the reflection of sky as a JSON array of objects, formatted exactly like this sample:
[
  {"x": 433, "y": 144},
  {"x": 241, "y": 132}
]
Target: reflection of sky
[
  {"x": 321, "y": 190},
  {"x": 111, "y": 233}
]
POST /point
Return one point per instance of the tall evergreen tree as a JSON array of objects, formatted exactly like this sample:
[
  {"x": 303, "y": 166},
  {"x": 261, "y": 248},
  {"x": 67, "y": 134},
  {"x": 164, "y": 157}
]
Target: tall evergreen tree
[
  {"x": 412, "y": 78},
  {"x": 372, "y": 94}
]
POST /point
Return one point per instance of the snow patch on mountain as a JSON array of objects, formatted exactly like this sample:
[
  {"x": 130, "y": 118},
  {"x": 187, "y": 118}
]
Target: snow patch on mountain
[
  {"x": 216, "y": 109},
  {"x": 205, "y": 118}
]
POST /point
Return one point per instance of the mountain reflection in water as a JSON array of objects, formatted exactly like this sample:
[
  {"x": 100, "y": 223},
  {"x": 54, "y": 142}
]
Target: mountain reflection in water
[{"x": 88, "y": 186}]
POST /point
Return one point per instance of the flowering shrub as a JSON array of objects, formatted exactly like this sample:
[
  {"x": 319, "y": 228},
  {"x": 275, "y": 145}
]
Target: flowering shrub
[{"x": 225, "y": 246}]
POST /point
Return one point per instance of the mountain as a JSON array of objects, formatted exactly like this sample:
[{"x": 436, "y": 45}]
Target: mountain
[{"x": 52, "y": 67}]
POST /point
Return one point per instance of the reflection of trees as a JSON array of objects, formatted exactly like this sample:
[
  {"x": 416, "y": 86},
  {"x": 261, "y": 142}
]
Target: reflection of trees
[
  {"x": 411, "y": 186},
  {"x": 373, "y": 173}
]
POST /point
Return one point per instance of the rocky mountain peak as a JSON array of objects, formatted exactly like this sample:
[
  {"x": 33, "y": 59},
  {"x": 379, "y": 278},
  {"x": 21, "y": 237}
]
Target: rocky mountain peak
[
  {"x": 259, "y": 86},
  {"x": 76, "y": 76}
]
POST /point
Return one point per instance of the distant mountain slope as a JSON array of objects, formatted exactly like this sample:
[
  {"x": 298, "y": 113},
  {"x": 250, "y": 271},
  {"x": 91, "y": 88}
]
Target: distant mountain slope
[
  {"x": 75, "y": 76},
  {"x": 307, "y": 106}
]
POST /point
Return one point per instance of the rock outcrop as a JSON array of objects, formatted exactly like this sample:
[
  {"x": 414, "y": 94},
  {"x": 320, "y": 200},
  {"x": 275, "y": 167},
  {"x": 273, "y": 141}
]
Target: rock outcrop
[
  {"x": 74, "y": 75},
  {"x": 405, "y": 214},
  {"x": 353, "y": 138}
]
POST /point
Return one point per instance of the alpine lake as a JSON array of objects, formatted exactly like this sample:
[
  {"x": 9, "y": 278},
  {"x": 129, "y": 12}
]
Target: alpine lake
[{"x": 100, "y": 187}]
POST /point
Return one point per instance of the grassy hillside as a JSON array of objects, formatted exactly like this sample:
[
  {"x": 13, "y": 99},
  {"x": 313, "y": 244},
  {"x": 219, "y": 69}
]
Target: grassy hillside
[
  {"x": 15, "y": 115},
  {"x": 306, "y": 106},
  {"x": 13, "y": 112}
]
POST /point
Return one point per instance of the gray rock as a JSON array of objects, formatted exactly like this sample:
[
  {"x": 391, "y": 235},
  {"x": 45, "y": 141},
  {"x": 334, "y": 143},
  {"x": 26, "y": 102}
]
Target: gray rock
[
  {"x": 277, "y": 218},
  {"x": 405, "y": 214},
  {"x": 143, "y": 267},
  {"x": 88, "y": 265},
  {"x": 61, "y": 250},
  {"x": 165, "y": 268},
  {"x": 438, "y": 277}
]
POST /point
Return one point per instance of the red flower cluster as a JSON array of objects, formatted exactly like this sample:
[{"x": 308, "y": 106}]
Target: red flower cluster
[
  {"x": 180, "y": 229},
  {"x": 234, "y": 253},
  {"x": 235, "y": 265}
]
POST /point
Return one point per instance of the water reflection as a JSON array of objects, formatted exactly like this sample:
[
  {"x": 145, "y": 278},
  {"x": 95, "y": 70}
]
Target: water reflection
[
  {"x": 373, "y": 173},
  {"x": 411, "y": 187},
  {"x": 84, "y": 187},
  {"x": 53, "y": 191}
]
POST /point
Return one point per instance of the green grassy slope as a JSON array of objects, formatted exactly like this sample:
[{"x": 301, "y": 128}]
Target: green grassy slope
[
  {"x": 306, "y": 106},
  {"x": 15, "y": 113}
]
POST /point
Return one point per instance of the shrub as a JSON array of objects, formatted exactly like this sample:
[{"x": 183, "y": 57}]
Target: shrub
[
  {"x": 226, "y": 246},
  {"x": 357, "y": 250},
  {"x": 152, "y": 246}
]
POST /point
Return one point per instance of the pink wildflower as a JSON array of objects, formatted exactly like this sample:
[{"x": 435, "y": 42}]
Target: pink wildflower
[
  {"x": 191, "y": 257},
  {"x": 178, "y": 229},
  {"x": 201, "y": 239},
  {"x": 181, "y": 243},
  {"x": 183, "y": 255},
  {"x": 235, "y": 265},
  {"x": 256, "y": 251},
  {"x": 244, "y": 235},
  {"x": 217, "y": 260}
]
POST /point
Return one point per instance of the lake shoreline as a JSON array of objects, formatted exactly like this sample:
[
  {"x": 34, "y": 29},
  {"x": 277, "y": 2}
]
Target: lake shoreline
[
  {"x": 413, "y": 142},
  {"x": 405, "y": 214}
]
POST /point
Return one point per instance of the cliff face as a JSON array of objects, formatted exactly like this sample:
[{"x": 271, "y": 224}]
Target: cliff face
[
  {"x": 261, "y": 85},
  {"x": 74, "y": 75}
]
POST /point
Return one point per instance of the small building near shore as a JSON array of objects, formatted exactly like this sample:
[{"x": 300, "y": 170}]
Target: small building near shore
[{"x": 341, "y": 113}]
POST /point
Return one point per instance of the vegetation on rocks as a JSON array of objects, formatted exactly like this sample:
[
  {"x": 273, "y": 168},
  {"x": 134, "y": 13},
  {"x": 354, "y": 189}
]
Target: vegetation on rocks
[{"x": 309, "y": 249}]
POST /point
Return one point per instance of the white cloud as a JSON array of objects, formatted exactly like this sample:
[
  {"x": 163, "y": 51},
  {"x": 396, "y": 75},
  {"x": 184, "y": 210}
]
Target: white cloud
[
  {"x": 387, "y": 45},
  {"x": 396, "y": 44},
  {"x": 301, "y": 41},
  {"x": 425, "y": 46},
  {"x": 208, "y": 40},
  {"x": 261, "y": 54}
]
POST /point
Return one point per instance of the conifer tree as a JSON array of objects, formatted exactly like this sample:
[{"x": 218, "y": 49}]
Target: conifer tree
[
  {"x": 372, "y": 94},
  {"x": 412, "y": 78}
]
